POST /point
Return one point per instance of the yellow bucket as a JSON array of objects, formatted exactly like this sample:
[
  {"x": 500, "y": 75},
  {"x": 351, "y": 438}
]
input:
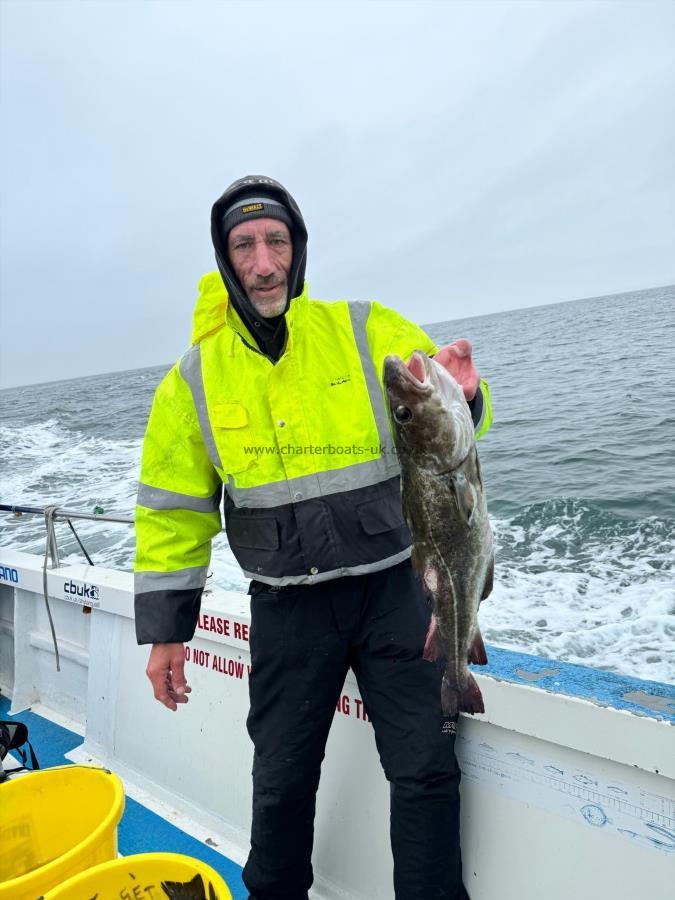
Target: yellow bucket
[
  {"x": 147, "y": 876},
  {"x": 53, "y": 824}
]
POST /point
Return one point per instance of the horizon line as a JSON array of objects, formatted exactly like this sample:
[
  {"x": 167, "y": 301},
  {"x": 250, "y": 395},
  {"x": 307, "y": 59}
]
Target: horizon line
[{"x": 424, "y": 326}]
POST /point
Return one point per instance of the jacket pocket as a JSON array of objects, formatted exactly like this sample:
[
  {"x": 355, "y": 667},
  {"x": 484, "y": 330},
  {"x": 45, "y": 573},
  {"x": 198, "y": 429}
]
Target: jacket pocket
[
  {"x": 232, "y": 434},
  {"x": 383, "y": 514},
  {"x": 253, "y": 532}
]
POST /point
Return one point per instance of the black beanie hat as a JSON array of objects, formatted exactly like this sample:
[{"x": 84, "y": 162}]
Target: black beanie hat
[{"x": 254, "y": 207}]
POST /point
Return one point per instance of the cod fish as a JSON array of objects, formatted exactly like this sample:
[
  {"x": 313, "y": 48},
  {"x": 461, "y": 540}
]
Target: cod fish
[{"x": 445, "y": 507}]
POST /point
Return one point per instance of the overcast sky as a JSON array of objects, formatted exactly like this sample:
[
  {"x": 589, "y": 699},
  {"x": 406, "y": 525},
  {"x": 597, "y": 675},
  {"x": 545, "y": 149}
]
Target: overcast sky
[{"x": 451, "y": 159}]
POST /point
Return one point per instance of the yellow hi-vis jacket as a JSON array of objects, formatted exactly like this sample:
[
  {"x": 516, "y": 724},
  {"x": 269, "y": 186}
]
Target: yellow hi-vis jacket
[{"x": 303, "y": 449}]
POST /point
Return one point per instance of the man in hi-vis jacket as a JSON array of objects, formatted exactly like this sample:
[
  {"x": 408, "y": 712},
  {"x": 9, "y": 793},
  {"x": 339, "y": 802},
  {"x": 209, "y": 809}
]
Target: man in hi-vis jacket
[{"x": 278, "y": 408}]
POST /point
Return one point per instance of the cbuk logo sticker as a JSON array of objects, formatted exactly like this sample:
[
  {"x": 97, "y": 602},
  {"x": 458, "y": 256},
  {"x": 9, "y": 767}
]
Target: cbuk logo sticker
[
  {"x": 7, "y": 573},
  {"x": 86, "y": 594}
]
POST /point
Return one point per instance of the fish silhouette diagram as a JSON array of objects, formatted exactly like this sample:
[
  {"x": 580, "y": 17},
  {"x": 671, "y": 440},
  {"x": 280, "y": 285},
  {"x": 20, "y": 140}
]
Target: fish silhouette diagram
[
  {"x": 594, "y": 815},
  {"x": 668, "y": 844},
  {"x": 622, "y": 808}
]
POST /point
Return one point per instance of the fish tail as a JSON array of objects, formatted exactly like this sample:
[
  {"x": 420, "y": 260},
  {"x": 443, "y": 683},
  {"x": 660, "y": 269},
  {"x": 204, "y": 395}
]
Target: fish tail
[{"x": 467, "y": 698}]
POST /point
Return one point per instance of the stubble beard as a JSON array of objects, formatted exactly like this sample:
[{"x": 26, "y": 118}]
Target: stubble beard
[{"x": 269, "y": 309}]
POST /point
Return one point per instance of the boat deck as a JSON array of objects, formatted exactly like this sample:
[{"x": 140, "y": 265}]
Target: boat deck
[
  {"x": 142, "y": 829},
  {"x": 566, "y": 757}
]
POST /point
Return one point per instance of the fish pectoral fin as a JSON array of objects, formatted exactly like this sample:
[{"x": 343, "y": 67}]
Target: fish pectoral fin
[
  {"x": 432, "y": 650},
  {"x": 477, "y": 652},
  {"x": 406, "y": 510},
  {"x": 420, "y": 555},
  {"x": 489, "y": 580},
  {"x": 465, "y": 496},
  {"x": 417, "y": 557}
]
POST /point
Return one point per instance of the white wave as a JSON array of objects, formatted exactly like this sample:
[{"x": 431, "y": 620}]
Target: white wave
[
  {"x": 571, "y": 582},
  {"x": 571, "y": 617},
  {"x": 611, "y": 606},
  {"x": 45, "y": 464}
]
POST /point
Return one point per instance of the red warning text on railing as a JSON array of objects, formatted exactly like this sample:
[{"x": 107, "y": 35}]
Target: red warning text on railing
[{"x": 222, "y": 625}]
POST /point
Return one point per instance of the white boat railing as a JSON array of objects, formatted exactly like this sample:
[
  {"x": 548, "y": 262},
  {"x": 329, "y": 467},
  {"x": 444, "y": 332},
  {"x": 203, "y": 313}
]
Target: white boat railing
[
  {"x": 53, "y": 514},
  {"x": 568, "y": 779}
]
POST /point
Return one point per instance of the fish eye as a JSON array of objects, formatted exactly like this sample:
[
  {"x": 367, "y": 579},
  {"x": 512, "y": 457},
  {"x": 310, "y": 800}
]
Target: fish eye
[{"x": 402, "y": 414}]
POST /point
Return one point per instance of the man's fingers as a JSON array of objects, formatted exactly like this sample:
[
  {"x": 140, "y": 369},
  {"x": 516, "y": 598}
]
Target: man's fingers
[
  {"x": 166, "y": 673},
  {"x": 461, "y": 348},
  {"x": 456, "y": 359},
  {"x": 176, "y": 697},
  {"x": 158, "y": 679},
  {"x": 178, "y": 693},
  {"x": 178, "y": 681},
  {"x": 163, "y": 694}
]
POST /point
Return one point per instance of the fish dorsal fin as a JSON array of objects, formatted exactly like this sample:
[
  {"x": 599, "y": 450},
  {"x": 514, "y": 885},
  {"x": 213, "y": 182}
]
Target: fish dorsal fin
[{"x": 465, "y": 495}]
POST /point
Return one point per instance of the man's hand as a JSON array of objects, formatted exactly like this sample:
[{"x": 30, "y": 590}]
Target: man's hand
[
  {"x": 165, "y": 671},
  {"x": 456, "y": 358}
]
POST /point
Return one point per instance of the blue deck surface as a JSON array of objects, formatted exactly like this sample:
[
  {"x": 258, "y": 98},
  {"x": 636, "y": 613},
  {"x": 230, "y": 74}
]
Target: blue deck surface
[
  {"x": 645, "y": 698},
  {"x": 141, "y": 830}
]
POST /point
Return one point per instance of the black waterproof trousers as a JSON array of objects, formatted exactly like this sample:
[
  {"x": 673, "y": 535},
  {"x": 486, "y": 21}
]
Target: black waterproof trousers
[{"x": 303, "y": 641}]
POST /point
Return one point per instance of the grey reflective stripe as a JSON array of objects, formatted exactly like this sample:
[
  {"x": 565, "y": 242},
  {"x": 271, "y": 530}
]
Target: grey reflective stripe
[
  {"x": 309, "y": 487},
  {"x": 334, "y": 573},
  {"x": 158, "y": 498},
  {"x": 181, "y": 580},
  {"x": 359, "y": 311},
  {"x": 191, "y": 370}
]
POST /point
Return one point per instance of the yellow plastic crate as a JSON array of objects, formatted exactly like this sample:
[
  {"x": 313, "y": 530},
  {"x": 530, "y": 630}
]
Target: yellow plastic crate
[
  {"x": 146, "y": 876},
  {"x": 53, "y": 824}
]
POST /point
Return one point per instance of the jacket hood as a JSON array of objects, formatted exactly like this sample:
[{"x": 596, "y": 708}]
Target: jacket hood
[
  {"x": 269, "y": 334},
  {"x": 213, "y": 310},
  {"x": 210, "y": 313}
]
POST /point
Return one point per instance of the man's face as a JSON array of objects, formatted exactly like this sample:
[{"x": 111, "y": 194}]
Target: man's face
[{"x": 261, "y": 252}]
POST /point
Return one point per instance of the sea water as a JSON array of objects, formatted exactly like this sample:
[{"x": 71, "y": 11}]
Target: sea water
[{"x": 579, "y": 468}]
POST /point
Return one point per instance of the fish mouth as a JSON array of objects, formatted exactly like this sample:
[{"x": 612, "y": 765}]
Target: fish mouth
[{"x": 414, "y": 376}]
